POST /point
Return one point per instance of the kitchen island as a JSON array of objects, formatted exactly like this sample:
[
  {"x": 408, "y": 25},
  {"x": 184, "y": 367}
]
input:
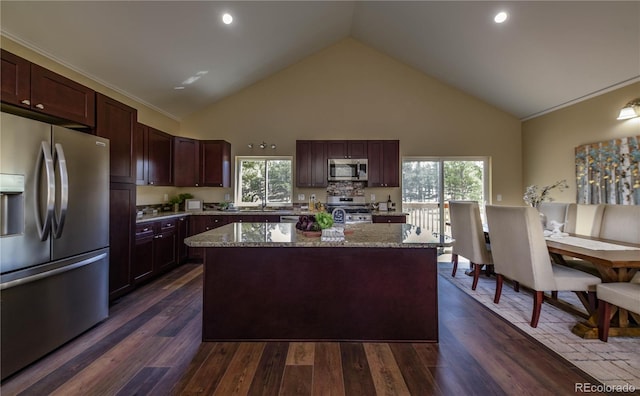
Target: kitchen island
[{"x": 268, "y": 281}]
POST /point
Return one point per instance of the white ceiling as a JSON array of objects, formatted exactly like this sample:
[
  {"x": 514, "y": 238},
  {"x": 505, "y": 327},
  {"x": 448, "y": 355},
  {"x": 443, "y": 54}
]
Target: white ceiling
[{"x": 547, "y": 54}]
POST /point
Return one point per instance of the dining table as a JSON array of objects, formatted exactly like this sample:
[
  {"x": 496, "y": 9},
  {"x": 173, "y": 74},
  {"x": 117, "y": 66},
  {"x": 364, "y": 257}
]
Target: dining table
[{"x": 615, "y": 261}]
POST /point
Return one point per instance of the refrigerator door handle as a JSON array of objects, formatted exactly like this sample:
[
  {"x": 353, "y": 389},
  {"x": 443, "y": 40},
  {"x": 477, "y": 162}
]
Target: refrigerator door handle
[
  {"x": 58, "y": 220},
  {"x": 46, "y": 274},
  {"x": 45, "y": 155}
]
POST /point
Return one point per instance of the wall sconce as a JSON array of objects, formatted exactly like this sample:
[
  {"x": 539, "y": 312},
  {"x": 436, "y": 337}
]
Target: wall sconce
[
  {"x": 263, "y": 145},
  {"x": 629, "y": 110}
]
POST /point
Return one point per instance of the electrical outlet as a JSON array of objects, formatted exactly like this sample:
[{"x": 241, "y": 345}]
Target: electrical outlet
[
  {"x": 499, "y": 197},
  {"x": 313, "y": 197},
  {"x": 166, "y": 198},
  {"x": 373, "y": 197},
  {"x": 227, "y": 197},
  {"x": 300, "y": 197}
]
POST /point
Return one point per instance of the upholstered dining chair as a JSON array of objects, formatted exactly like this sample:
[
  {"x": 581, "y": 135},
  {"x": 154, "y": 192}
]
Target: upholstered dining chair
[
  {"x": 466, "y": 229},
  {"x": 520, "y": 254},
  {"x": 624, "y": 295}
]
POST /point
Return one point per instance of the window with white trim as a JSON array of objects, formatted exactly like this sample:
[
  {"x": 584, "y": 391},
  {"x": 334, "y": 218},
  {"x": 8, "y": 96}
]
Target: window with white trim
[{"x": 262, "y": 181}]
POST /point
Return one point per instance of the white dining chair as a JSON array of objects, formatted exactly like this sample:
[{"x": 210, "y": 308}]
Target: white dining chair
[
  {"x": 466, "y": 229},
  {"x": 625, "y": 295},
  {"x": 520, "y": 254}
]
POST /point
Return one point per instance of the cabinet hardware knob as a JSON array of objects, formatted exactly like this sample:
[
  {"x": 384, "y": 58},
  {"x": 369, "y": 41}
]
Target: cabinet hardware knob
[
  {"x": 40, "y": 106},
  {"x": 26, "y": 102}
]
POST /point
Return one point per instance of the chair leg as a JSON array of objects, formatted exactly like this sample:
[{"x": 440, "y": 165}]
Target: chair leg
[
  {"x": 496, "y": 298},
  {"x": 538, "y": 297},
  {"x": 604, "y": 311},
  {"x": 476, "y": 275},
  {"x": 593, "y": 301},
  {"x": 454, "y": 258},
  {"x": 516, "y": 286},
  {"x": 554, "y": 294}
]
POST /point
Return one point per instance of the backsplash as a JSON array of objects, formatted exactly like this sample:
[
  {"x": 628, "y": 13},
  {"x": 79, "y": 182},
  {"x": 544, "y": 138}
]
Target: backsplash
[{"x": 346, "y": 189}]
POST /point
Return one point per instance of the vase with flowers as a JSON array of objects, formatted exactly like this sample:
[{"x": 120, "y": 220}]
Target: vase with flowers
[{"x": 535, "y": 195}]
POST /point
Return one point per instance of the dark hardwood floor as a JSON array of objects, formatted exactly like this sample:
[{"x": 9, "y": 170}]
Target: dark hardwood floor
[{"x": 150, "y": 345}]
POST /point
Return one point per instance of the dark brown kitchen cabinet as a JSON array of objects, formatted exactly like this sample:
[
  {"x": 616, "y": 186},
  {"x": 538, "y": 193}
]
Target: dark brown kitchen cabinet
[
  {"x": 186, "y": 162},
  {"x": 389, "y": 219},
  {"x": 384, "y": 163},
  {"x": 155, "y": 249},
  {"x": 164, "y": 246},
  {"x": 215, "y": 163},
  {"x": 122, "y": 217},
  {"x": 116, "y": 122},
  {"x": 356, "y": 149},
  {"x": 254, "y": 218},
  {"x": 142, "y": 264},
  {"x": 154, "y": 156},
  {"x": 311, "y": 163},
  {"x": 202, "y": 223},
  {"x": 182, "y": 231},
  {"x": 29, "y": 86}
]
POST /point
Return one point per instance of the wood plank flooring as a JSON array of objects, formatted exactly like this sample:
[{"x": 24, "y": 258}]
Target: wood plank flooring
[{"x": 150, "y": 345}]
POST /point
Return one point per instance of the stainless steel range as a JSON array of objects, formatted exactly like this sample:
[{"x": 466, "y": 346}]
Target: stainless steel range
[{"x": 356, "y": 209}]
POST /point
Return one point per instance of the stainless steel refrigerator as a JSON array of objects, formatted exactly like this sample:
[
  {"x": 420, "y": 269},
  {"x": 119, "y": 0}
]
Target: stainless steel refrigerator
[{"x": 54, "y": 237}]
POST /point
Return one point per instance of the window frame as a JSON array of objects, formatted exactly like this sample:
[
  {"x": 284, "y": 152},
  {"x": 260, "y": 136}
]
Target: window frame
[{"x": 238, "y": 180}]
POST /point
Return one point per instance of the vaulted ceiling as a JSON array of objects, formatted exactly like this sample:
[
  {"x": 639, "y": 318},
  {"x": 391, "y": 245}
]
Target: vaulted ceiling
[{"x": 547, "y": 53}]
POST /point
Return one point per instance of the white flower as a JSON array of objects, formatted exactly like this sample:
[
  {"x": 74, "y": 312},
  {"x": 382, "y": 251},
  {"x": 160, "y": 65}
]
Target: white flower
[{"x": 533, "y": 196}]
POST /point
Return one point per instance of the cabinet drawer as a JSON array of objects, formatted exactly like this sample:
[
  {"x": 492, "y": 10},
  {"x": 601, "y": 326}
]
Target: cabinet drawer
[
  {"x": 168, "y": 224},
  {"x": 144, "y": 230}
]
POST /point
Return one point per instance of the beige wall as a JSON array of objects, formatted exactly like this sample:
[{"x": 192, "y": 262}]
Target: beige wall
[
  {"x": 350, "y": 91},
  {"x": 549, "y": 141}
]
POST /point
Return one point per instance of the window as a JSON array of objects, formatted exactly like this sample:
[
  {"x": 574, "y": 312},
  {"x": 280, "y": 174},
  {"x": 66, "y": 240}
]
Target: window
[
  {"x": 262, "y": 181},
  {"x": 429, "y": 182}
]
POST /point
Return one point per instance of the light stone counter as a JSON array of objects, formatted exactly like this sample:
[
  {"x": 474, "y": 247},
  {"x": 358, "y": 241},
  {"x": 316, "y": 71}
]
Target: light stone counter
[{"x": 286, "y": 235}]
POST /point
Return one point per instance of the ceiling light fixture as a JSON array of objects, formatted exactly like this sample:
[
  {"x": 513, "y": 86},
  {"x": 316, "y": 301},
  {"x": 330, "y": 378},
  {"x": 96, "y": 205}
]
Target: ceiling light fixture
[
  {"x": 263, "y": 145},
  {"x": 630, "y": 110},
  {"x": 500, "y": 17},
  {"x": 227, "y": 19}
]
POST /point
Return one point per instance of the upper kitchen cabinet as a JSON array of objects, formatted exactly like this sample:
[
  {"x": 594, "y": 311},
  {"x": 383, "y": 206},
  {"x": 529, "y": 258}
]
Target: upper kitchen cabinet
[
  {"x": 186, "y": 163},
  {"x": 29, "y": 86},
  {"x": 311, "y": 163},
  {"x": 154, "y": 156},
  {"x": 384, "y": 163},
  {"x": 215, "y": 163},
  {"x": 356, "y": 149},
  {"x": 116, "y": 121}
]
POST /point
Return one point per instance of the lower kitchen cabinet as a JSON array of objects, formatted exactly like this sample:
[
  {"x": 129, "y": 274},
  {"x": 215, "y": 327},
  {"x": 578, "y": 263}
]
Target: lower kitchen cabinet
[
  {"x": 389, "y": 219},
  {"x": 155, "y": 249},
  {"x": 182, "y": 231}
]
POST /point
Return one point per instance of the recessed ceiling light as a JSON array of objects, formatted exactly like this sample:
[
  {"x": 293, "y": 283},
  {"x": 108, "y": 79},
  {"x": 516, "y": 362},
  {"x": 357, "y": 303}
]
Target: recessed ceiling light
[
  {"x": 227, "y": 19},
  {"x": 500, "y": 17},
  {"x": 178, "y": 88}
]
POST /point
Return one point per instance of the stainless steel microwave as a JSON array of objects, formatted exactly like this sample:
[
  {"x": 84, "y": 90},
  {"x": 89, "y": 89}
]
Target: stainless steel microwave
[{"x": 348, "y": 169}]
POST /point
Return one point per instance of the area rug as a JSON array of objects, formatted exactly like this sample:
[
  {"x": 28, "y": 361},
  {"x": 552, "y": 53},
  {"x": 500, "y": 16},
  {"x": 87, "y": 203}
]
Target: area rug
[{"x": 615, "y": 363}]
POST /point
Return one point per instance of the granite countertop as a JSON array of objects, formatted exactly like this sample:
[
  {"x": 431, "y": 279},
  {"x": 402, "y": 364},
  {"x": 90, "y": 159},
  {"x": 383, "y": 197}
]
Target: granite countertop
[
  {"x": 286, "y": 235},
  {"x": 282, "y": 212}
]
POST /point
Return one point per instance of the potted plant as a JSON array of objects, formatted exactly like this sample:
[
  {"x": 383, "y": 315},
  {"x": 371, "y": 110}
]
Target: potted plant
[{"x": 178, "y": 201}]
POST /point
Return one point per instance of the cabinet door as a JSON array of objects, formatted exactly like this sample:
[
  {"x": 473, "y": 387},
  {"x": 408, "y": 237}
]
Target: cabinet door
[
  {"x": 59, "y": 96},
  {"x": 199, "y": 224},
  {"x": 164, "y": 250},
  {"x": 122, "y": 216},
  {"x": 142, "y": 264},
  {"x": 336, "y": 149},
  {"x": 159, "y": 151},
  {"x": 215, "y": 164},
  {"x": 391, "y": 163},
  {"x": 186, "y": 162},
  {"x": 311, "y": 163},
  {"x": 384, "y": 163},
  {"x": 116, "y": 121},
  {"x": 374, "y": 153},
  {"x": 182, "y": 231},
  {"x": 357, "y": 149},
  {"x": 140, "y": 154},
  {"x": 16, "y": 80}
]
